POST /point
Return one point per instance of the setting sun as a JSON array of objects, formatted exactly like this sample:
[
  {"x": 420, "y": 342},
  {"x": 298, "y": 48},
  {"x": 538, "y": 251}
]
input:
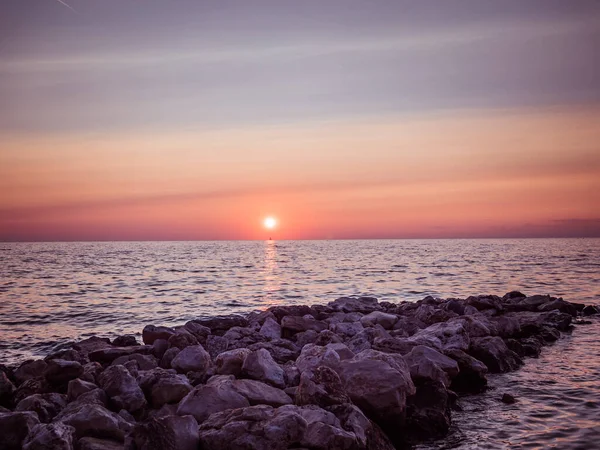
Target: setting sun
[{"x": 270, "y": 223}]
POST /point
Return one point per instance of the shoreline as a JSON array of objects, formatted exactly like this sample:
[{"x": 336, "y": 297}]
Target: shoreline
[{"x": 353, "y": 374}]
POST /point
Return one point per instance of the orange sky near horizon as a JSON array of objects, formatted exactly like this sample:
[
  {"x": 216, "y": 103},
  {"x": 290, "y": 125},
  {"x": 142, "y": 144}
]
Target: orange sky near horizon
[{"x": 462, "y": 173}]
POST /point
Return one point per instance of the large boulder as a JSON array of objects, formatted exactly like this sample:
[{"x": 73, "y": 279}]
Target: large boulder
[
  {"x": 313, "y": 356},
  {"x": 427, "y": 412},
  {"x": 260, "y": 365},
  {"x": 60, "y": 371},
  {"x": 90, "y": 419},
  {"x": 259, "y": 393},
  {"x": 211, "y": 398},
  {"x": 231, "y": 361},
  {"x": 368, "y": 434},
  {"x": 108, "y": 355},
  {"x": 472, "y": 372},
  {"x": 166, "y": 433},
  {"x": 322, "y": 387},
  {"x": 494, "y": 353},
  {"x": 46, "y": 406},
  {"x": 28, "y": 370},
  {"x": 14, "y": 428},
  {"x": 427, "y": 363},
  {"x": 192, "y": 359},
  {"x": 50, "y": 436},
  {"x": 282, "y": 350},
  {"x": 142, "y": 362},
  {"x": 122, "y": 388}
]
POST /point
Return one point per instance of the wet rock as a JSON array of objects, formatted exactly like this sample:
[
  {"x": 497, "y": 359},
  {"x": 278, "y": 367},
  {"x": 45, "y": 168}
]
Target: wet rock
[
  {"x": 192, "y": 359},
  {"x": 142, "y": 362},
  {"x": 290, "y": 310},
  {"x": 28, "y": 370},
  {"x": 108, "y": 355},
  {"x": 90, "y": 443},
  {"x": 313, "y": 356},
  {"x": 494, "y": 353},
  {"x": 182, "y": 339},
  {"x": 428, "y": 412},
  {"x": 92, "y": 344},
  {"x": 508, "y": 399},
  {"x": 219, "y": 325},
  {"x": 7, "y": 388},
  {"x": 322, "y": 387},
  {"x": 386, "y": 320},
  {"x": 471, "y": 377},
  {"x": 291, "y": 325},
  {"x": 167, "y": 433},
  {"x": 560, "y": 305},
  {"x": 15, "y": 427},
  {"x": 590, "y": 310},
  {"x": 260, "y": 365},
  {"x": 341, "y": 349},
  {"x": 259, "y": 393},
  {"x": 46, "y": 406},
  {"x": 215, "y": 345},
  {"x": 354, "y": 304},
  {"x": 231, "y": 361},
  {"x": 94, "y": 420},
  {"x": 51, "y": 436},
  {"x": 549, "y": 334},
  {"x": 271, "y": 329},
  {"x": 368, "y": 434},
  {"x": 126, "y": 340},
  {"x": 152, "y": 333},
  {"x": 211, "y": 398},
  {"x": 122, "y": 388}
]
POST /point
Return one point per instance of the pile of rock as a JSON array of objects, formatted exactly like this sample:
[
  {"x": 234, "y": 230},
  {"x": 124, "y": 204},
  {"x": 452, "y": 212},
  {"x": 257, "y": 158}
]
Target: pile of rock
[{"x": 354, "y": 374}]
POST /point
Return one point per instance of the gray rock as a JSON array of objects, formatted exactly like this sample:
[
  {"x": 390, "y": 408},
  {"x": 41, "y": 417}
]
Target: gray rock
[
  {"x": 271, "y": 329},
  {"x": 291, "y": 325},
  {"x": 143, "y": 362},
  {"x": 313, "y": 356},
  {"x": 51, "y": 436},
  {"x": 7, "y": 388},
  {"x": 472, "y": 372},
  {"x": 386, "y": 320},
  {"x": 168, "y": 357},
  {"x": 260, "y": 365},
  {"x": 122, "y": 388},
  {"x": 425, "y": 362},
  {"x": 354, "y": 304},
  {"x": 108, "y": 355},
  {"x": 211, "y": 398},
  {"x": 347, "y": 330},
  {"x": 77, "y": 387},
  {"x": 182, "y": 339},
  {"x": 192, "y": 359},
  {"x": 231, "y": 361},
  {"x": 94, "y": 420},
  {"x": 259, "y": 393},
  {"x": 46, "y": 406},
  {"x": 126, "y": 340},
  {"x": 167, "y": 433},
  {"x": 322, "y": 387},
  {"x": 215, "y": 345}
]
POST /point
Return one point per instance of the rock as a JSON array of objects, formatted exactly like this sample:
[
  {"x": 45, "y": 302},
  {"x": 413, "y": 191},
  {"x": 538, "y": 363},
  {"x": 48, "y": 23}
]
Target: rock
[
  {"x": 30, "y": 387},
  {"x": 429, "y": 314},
  {"x": 169, "y": 388},
  {"x": 77, "y": 387},
  {"x": 560, "y": 305},
  {"x": 91, "y": 371},
  {"x": 452, "y": 334},
  {"x": 292, "y": 374},
  {"x": 378, "y": 384},
  {"x": 96, "y": 397},
  {"x": 347, "y": 330},
  {"x": 159, "y": 348},
  {"x": 290, "y": 310},
  {"x": 508, "y": 399},
  {"x": 386, "y": 320},
  {"x": 215, "y": 345},
  {"x": 219, "y": 325},
  {"x": 494, "y": 353},
  {"x": 182, "y": 339},
  {"x": 59, "y": 371},
  {"x": 260, "y": 365},
  {"x": 122, "y": 388},
  {"x": 211, "y": 398},
  {"x": 291, "y": 325},
  {"x": 471, "y": 377},
  {"x": 6, "y": 390},
  {"x": 15, "y": 427},
  {"x": 152, "y": 333},
  {"x": 108, "y": 355},
  {"x": 313, "y": 356},
  {"x": 192, "y": 359},
  {"x": 231, "y": 361},
  {"x": 167, "y": 433},
  {"x": 341, "y": 349},
  {"x": 90, "y": 443},
  {"x": 455, "y": 306},
  {"x": 306, "y": 337},
  {"x": 28, "y": 370},
  {"x": 68, "y": 355},
  {"x": 427, "y": 363},
  {"x": 281, "y": 350},
  {"x": 590, "y": 310},
  {"x": 51, "y": 436},
  {"x": 259, "y": 393},
  {"x": 368, "y": 434},
  {"x": 506, "y": 327},
  {"x": 354, "y": 304},
  {"x": 401, "y": 346},
  {"x": 92, "y": 344},
  {"x": 428, "y": 412},
  {"x": 46, "y": 406},
  {"x": 126, "y": 340},
  {"x": 199, "y": 331},
  {"x": 142, "y": 362},
  {"x": 271, "y": 329},
  {"x": 327, "y": 337},
  {"x": 531, "y": 347},
  {"x": 94, "y": 420},
  {"x": 168, "y": 357},
  {"x": 322, "y": 387}
]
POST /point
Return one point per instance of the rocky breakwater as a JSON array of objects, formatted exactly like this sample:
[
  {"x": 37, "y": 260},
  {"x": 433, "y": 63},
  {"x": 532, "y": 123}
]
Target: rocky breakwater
[{"x": 353, "y": 374}]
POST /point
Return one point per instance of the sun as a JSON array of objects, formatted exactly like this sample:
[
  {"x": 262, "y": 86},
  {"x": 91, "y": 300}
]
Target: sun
[{"x": 270, "y": 223}]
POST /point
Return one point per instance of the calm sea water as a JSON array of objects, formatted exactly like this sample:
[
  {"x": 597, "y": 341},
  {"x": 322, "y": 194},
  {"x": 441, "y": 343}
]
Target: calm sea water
[{"x": 51, "y": 293}]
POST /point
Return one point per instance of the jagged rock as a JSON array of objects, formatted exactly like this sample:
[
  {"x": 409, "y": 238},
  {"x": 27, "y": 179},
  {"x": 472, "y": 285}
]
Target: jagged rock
[
  {"x": 560, "y": 305},
  {"x": 51, "y": 436},
  {"x": 259, "y": 393},
  {"x": 59, "y": 371},
  {"x": 386, "y": 320},
  {"x": 28, "y": 370},
  {"x": 292, "y": 374},
  {"x": 211, "y": 398},
  {"x": 15, "y": 427},
  {"x": 327, "y": 337},
  {"x": 368, "y": 434},
  {"x": 281, "y": 350},
  {"x": 96, "y": 397},
  {"x": 427, "y": 363},
  {"x": 306, "y": 337},
  {"x": 77, "y": 387},
  {"x": 494, "y": 353},
  {"x": 108, "y": 355},
  {"x": 126, "y": 340},
  {"x": 182, "y": 339},
  {"x": 169, "y": 388},
  {"x": 7, "y": 388},
  {"x": 192, "y": 359},
  {"x": 341, "y": 349},
  {"x": 347, "y": 330},
  {"x": 143, "y": 362},
  {"x": 472, "y": 372},
  {"x": 199, "y": 331},
  {"x": 291, "y": 325},
  {"x": 168, "y": 357},
  {"x": 322, "y": 387},
  {"x": 219, "y": 325},
  {"x": 215, "y": 345},
  {"x": 68, "y": 354},
  {"x": 122, "y": 388},
  {"x": 90, "y": 443},
  {"x": 410, "y": 325},
  {"x": 428, "y": 412},
  {"x": 152, "y": 333},
  {"x": 92, "y": 344},
  {"x": 260, "y": 365},
  {"x": 354, "y": 304},
  {"x": 94, "y": 420},
  {"x": 159, "y": 348},
  {"x": 30, "y": 387},
  {"x": 290, "y": 310},
  {"x": 271, "y": 329},
  {"x": 46, "y": 406},
  {"x": 590, "y": 310},
  {"x": 506, "y": 326},
  {"x": 401, "y": 346},
  {"x": 90, "y": 371},
  {"x": 166, "y": 433},
  {"x": 508, "y": 399},
  {"x": 313, "y": 356},
  {"x": 231, "y": 361}
]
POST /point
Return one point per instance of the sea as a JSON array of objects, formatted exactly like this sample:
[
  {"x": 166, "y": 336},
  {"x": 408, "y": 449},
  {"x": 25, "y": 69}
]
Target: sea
[{"x": 54, "y": 293}]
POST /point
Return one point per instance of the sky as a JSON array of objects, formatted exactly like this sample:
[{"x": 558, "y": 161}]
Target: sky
[{"x": 189, "y": 119}]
